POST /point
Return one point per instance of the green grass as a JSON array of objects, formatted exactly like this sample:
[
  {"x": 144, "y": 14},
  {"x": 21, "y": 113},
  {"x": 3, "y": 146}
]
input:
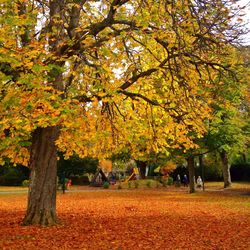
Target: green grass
[
  {"x": 141, "y": 184},
  {"x": 235, "y": 185},
  {"x": 12, "y": 189}
]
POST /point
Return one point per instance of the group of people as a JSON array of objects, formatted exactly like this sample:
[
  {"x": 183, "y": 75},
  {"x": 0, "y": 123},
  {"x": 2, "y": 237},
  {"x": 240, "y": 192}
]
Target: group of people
[{"x": 185, "y": 182}]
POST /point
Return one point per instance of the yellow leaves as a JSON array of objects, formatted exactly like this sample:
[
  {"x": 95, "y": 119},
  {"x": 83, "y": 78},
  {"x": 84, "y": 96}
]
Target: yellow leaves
[
  {"x": 166, "y": 42},
  {"x": 52, "y": 98},
  {"x": 68, "y": 124},
  {"x": 17, "y": 155},
  {"x": 28, "y": 64},
  {"x": 101, "y": 94},
  {"x": 88, "y": 41},
  {"x": 106, "y": 165}
]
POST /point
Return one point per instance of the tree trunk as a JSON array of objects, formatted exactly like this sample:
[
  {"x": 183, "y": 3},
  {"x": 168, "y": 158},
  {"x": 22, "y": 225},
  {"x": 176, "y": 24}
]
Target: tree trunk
[
  {"x": 244, "y": 157},
  {"x": 190, "y": 161},
  {"x": 202, "y": 171},
  {"x": 226, "y": 169},
  {"x": 142, "y": 168},
  {"x": 43, "y": 156},
  {"x": 43, "y": 180}
]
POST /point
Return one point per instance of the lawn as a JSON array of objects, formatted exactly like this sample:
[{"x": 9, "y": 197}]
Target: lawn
[{"x": 148, "y": 218}]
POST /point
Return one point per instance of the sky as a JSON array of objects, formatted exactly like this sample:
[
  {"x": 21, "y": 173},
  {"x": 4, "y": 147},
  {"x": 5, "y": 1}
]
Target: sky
[
  {"x": 246, "y": 18},
  {"x": 247, "y": 3}
]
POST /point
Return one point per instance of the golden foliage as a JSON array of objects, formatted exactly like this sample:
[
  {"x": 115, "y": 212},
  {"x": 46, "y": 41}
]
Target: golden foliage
[
  {"x": 168, "y": 168},
  {"x": 129, "y": 74}
]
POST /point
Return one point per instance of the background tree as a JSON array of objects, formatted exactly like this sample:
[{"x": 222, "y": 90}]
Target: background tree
[
  {"x": 13, "y": 175},
  {"x": 76, "y": 166},
  {"x": 89, "y": 77},
  {"x": 227, "y": 126},
  {"x": 228, "y": 130}
]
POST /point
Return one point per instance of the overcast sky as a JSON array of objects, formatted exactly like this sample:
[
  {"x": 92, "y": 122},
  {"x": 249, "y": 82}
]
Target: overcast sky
[{"x": 246, "y": 18}]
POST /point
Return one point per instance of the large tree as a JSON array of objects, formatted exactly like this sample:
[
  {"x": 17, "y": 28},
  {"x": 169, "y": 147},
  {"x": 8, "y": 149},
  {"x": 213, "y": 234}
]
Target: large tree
[
  {"x": 94, "y": 76},
  {"x": 227, "y": 128},
  {"x": 228, "y": 131}
]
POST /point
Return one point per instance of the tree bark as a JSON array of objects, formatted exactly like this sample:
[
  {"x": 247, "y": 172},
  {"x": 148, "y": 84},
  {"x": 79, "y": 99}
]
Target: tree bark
[
  {"x": 226, "y": 169},
  {"x": 190, "y": 161},
  {"x": 142, "y": 168},
  {"x": 202, "y": 171},
  {"x": 42, "y": 191},
  {"x": 244, "y": 157},
  {"x": 43, "y": 156}
]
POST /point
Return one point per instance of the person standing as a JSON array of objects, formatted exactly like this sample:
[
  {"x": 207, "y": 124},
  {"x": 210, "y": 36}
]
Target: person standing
[
  {"x": 199, "y": 182},
  {"x": 185, "y": 180},
  {"x": 178, "y": 181}
]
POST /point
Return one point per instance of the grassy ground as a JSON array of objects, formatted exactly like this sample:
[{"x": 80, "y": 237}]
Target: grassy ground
[
  {"x": 208, "y": 185},
  {"x": 12, "y": 189},
  {"x": 143, "y": 218},
  {"x": 143, "y": 184},
  {"x": 235, "y": 185}
]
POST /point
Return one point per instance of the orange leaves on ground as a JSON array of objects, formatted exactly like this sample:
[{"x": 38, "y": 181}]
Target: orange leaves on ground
[{"x": 125, "y": 219}]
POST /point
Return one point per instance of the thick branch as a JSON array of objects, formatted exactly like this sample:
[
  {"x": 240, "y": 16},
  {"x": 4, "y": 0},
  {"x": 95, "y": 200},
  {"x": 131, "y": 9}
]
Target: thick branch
[
  {"x": 148, "y": 72},
  {"x": 22, "y": 11},
  {"x": 134, "y": 95},
  {"x": 74, "y": 19}
]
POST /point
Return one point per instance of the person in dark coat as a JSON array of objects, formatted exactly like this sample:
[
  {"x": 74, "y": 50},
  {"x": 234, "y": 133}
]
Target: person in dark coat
[{"x": 185, "y": 180}]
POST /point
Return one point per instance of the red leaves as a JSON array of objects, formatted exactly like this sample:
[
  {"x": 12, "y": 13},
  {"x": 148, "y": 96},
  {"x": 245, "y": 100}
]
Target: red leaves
[{"x": 141, "y": 219}]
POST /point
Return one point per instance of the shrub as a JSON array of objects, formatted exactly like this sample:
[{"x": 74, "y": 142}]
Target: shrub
[
  {"x": 80, "y": 180},
  {"x": 25, "y": 183},
  {"x": 148, "y": 184},
  {"x": 240, "y": 172},
  {"x": 170, "y": 181},
  {"x": 136, "y": 183},
  {"x": 12, "y": 177},
  {"x": 106, "y": 185},
  {"x": 76, "y": 166},
  {"x": 119, "y": 186},
  {"x": 129, "y": 184}
]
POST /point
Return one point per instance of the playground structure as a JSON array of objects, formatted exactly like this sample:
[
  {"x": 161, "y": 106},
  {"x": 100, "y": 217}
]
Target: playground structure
[
  {"x": 105, "y": 166},
  {"x": 134, "y": 175},
  {"x": 99, "y": 178}
]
